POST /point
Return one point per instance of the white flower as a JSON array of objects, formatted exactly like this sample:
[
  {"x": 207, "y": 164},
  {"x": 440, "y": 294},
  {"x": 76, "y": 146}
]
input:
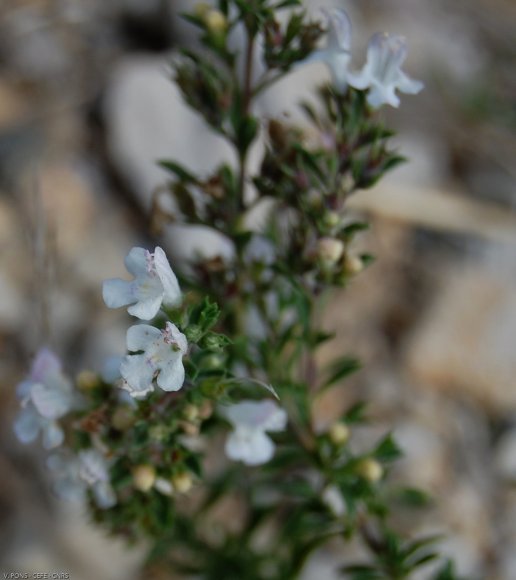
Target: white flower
[
  {"x": 260, "y": 250},
  {"x": 155, "y": 284},
  {"x": 382, "y": 72},
  {"x": 249, "y": 442},
  {"x": 336, "y": 54},
  {"x": 74, "y": 475},
  {"x": 45, "y": 397},
  {"x": 163, "y": 352}
]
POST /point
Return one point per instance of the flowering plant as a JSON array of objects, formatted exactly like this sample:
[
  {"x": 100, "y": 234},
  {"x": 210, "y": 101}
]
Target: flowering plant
[{"x": 231, "y": 364}]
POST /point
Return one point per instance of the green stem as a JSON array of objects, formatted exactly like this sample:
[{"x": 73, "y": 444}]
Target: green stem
[{"x": 247, "y": 95}]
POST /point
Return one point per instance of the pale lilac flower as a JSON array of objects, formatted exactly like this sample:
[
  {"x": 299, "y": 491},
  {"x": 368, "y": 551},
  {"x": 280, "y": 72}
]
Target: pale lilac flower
[
  {"x": 93, "y": 470},
  {"x": 73, "y": 476},
  {"x": 45, "y": 396},
  {"x": 382, "y": 73},
  {"x": 155, "y": 284},
  {"x": 260, "y": 250},
  {"x": 249, "y": 442},
  {"x": 162, "y": 357},
  {"x": 336, "y": 54},
  {"x": 110, "y": 372}
]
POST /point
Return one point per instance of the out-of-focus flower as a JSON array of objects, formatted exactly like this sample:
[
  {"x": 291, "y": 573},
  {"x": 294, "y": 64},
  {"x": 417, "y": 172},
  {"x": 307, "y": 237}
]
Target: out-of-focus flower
[
  {"x": 249, "y": 442},
  {"x": 73, "y": 475},
  {"x": 336, "y": 54},
  {"x": 182, "y": 482},
  {"x": 144, "y": 477},
  {"x": 110, "y": 371},
  {"x": 382, "y": 73},
  {"x": 164, "y": 486},
  {"x": 339, "y": 433},
  {"x": 155, "y": 284},
  {"x": 370, "y": 469},
  {"x": 45, "y": 397},
  {"x": 93, "y": 471},
  {"x": 329, "y": 251},
  {"x": 162, "y": 356},
  {"x": 333, "y": 499},
  {"x": 87, "y": 380}
]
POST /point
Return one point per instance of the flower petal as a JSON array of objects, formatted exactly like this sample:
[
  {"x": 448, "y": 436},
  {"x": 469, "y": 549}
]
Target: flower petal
[
  {"x": 140, "y": 336},
  {"x": 407, "y": 85},
  {"x": 46, "y": 362},
  {"x": 23, "y": 389},
  {"x": 146, "y": 309},
  {"x": 117, "y": 293},
  {"x": 263, "y": 415},
  {"x": 339, "y": 29},
  {"x": 52, "y": 401},
  {"x": 104, "y": 495},
  {"x": 382, "y": 95},
  {"x": 53, "y": 435},
  {"x": 172, "y": 374},
  {"x": 27, "y": 425},
  {"x": 252, "y": 447},
  {"x": 92, "y": 468},
  {"x": 171, "y": 292},
  {"x": 111, "y": 368},
  {"x": 138, "y": 374},
  {"x": 137, "y": 262},
  {"x": 177, "y": 337}
]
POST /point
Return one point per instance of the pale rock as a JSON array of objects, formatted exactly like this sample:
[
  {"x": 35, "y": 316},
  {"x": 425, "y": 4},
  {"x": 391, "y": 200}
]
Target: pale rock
[
  {"x": 424, "y": 460},
  {"x": 112, "y": 561},
  {"x": 147, "y": 120},
  {"x": 465, "y": 341},
  {"x": 35, "y": 49}
]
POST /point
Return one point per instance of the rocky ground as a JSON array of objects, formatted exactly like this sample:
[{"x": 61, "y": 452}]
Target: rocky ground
[{"x": 86, "y": 108}]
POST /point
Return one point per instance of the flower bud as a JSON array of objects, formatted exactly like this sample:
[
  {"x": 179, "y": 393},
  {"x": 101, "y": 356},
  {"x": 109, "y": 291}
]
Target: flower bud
[
  {"x": 353, "y": 264},
  {"x": 123, "y": 418},
  {"x": 331, "y": 219},
  {"x": 144, "y": 477},
  {"x": 215, "y": 21},
  {"x": 206, "y": 410},
  {"x": 87, "y": 380},
  {"x": 339, "y": 434},
  {"x": 182, "y": 482},
  {"x": 191, "y": 412},
  {"x": 370, "y": 470},
  {"x": 191, "y": 429},
  {"x": 329, "y": 251},
  {"x": 158, "y": 433}
]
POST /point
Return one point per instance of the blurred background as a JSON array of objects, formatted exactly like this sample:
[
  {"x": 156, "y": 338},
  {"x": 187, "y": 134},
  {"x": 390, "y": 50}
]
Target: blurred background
[{"x": 86, "y": 109}]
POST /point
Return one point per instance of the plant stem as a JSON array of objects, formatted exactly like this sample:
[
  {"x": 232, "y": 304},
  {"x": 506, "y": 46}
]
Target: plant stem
[{"x": 246, "y": 106}]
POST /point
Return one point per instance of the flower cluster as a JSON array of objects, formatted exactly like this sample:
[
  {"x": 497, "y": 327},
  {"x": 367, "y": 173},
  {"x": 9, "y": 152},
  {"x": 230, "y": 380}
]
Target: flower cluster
[
  {"x": 45, "y": 397},
  {"x": 157, "y": 355},
  {"x": 381, "y": 75},
  {"x": 155, "y": 286},
  {"x": 74, "y": 475},
  {"x": 132, "y": 439}
]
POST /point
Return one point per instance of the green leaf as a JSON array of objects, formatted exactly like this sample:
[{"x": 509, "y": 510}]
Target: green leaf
[
  {"x": 287, "y": 4},
  {"x": 253, "y": 381},
  {"x": 414, "y": 498},
  {"x": 387, "y": 449},
  {"x": 176, "y": 168},
  {"x": 246, "y": 132},
  {"x": 356, "y": 414},
  {"x": 447, "y": 572},
  {"x": 340, "y": 369},
  {"x": 215, "y": 341}
]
